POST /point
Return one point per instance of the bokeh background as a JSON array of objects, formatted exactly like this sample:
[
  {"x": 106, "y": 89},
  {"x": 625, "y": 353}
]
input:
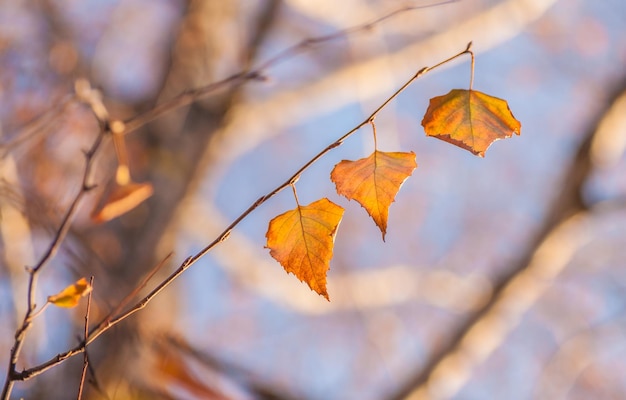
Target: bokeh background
[{"x": 502, "y": 277}]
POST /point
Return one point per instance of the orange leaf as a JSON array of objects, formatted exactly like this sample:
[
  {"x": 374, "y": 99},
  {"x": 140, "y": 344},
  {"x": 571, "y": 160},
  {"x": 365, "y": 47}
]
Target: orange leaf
[
  {"x": 120, "y": 199},
  {"x": 302, "y": 240},
  {"x": 470, "y": 120},
  {"x": 374, "y": 181},
  {"x": 69, "y": 296}
]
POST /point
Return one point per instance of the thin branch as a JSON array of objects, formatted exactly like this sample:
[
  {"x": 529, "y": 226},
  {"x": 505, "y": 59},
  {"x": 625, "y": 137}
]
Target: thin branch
[
  {"x": 37, "y": 125},
  {"x": 307, "y": 43},
  {"x": 107, "y": 324},
  {"x": 468, "y": 50},
  {"x": 136, "y": 290},
  {"x": 86, "y": 334},
  {"x": 20, "y": 334},
  {"x": 102, "y": 327},
  {"x": 374, "y": 134},
  {"x": 37, "y": 313},
  {"x": 256, "y": 73}
]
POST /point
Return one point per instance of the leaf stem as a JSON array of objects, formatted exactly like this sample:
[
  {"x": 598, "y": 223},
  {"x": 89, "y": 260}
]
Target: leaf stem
[
  {"x": 257, "y": 73},
  {"x": 471, "y": 53},
  {"x": 374, "y": 133},
  {"x": 295, "y": 193},
  {"x": 35, "y": 314}
]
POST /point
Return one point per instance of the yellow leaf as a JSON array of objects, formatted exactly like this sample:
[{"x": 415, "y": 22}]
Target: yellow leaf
[
  {"x": 374, "y": 181},
  {"x": 469, "y": 119},
  {"x": 302, "y": 241},
  {"x": 70, "y": 296}
]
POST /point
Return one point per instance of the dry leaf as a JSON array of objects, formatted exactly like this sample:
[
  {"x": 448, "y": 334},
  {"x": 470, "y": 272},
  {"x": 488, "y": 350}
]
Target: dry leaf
[
  {"x": 120, "y": 199},
  {"x": 302, "y": 241},
  {"x": 374, "y": 181},
  {"x": 70, "y": 296},
  {"x": 469, "y": 119}
]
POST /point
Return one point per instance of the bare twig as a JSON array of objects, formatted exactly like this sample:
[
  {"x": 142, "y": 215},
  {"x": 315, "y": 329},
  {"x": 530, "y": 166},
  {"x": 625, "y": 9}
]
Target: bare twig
[
  {"x": 108, "y": 323},
  {"x": 37, "y": 125},
  {"x": 48, "y": 255},
  {"x": 86, "y": 95},
  {"x": 190, "y": 96},
  {"x": 51, "y": 251},
  {"x": 86, "y": 334}
]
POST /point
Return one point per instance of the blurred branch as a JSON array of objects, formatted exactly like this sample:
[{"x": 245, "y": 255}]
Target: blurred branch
[
  {"x": 56, "y": 31},
  {"x": 487, "y": 29},
  {"x": 308, "y": 43},
  {"x": 264, "y": 25},
  {"x": 192, "y": 95},
  {"x": 514, "y": 298},
  {"x": 15, "y": 228},
  {"x": 602, "y": 341},
  {"x": 244, "y": 377},
  {"x": 609, "y": 143},
  {"x": 90, "y": 97},
  {"x": 516, "y": 290},
  {"x": 257, "y": 73}
]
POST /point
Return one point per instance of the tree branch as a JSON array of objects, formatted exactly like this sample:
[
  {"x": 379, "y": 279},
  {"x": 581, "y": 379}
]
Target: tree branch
[
  {"x": 109, "y": 323},
  {"x": 52, "y": 249}
]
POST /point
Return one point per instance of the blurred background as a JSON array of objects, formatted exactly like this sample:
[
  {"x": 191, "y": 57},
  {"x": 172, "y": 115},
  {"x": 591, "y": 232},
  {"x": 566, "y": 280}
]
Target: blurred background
[{"x": 502, "y": 277}]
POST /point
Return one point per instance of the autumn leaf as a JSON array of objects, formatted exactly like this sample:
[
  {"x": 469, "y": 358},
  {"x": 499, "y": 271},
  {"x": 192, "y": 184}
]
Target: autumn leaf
[
  {"x": 374, "y": 181},
  {"x": 70, "y": 296},
  {"x": 470, "y": 120},
  {"x": 302, "y": 240},
  {"x": 120, "y": 199}
]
